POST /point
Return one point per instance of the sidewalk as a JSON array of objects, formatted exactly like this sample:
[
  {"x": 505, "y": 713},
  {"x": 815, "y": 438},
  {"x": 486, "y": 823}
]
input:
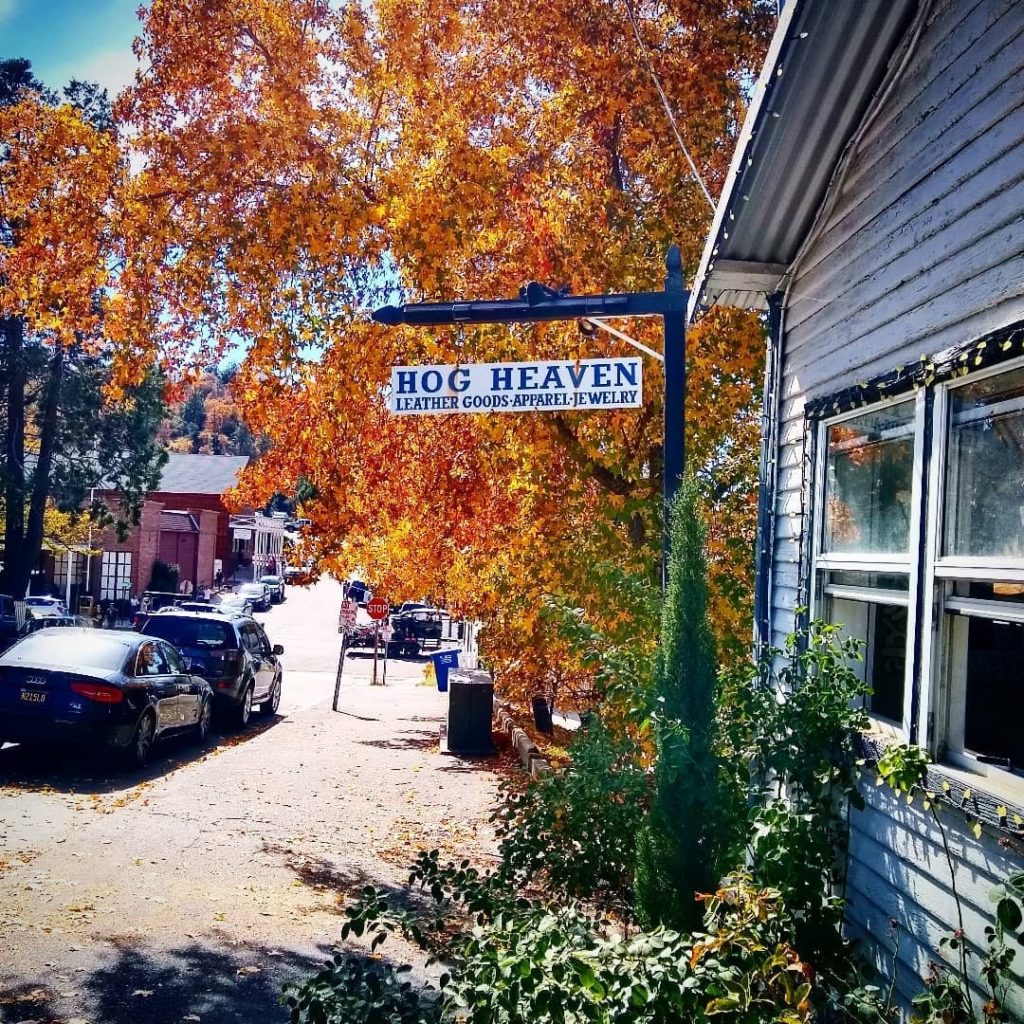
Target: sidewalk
[{"x": 199, "y": 888}]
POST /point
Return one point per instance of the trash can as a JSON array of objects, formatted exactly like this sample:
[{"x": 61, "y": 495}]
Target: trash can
[
  {"x": 443, "y": 661},
  {"x": 470, "y": 713},
  {"x": 542, "y": 715}
]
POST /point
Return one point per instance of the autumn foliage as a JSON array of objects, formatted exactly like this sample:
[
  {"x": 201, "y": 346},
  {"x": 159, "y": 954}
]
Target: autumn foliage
[
  {"x": 299, "y": 162},
  {"x": 58, "y": 177}
]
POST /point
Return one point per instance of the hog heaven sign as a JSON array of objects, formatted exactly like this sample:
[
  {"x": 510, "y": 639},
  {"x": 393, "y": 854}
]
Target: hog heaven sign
[{"x": 518, "y": 387}]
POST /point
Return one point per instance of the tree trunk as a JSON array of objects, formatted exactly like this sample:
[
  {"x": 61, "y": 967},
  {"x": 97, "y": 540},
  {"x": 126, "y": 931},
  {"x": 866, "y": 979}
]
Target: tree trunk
[
  {"x": 12, "y": 336},
  {"x": 49, "y": 408}
]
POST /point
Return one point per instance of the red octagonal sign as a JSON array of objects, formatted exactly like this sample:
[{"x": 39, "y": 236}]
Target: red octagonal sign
[{"x": 377, "y": 608}]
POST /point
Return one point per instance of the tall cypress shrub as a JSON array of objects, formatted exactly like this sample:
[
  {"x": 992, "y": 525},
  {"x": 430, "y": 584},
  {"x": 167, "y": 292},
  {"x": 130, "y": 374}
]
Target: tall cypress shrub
[{"x": 679, "y": 845}]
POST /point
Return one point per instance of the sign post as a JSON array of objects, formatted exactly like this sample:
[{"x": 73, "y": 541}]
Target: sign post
[
  {"x": 559, "y": 386},
  {"x": 347, "y": 615},
  {"x": 377, "y": 609}
]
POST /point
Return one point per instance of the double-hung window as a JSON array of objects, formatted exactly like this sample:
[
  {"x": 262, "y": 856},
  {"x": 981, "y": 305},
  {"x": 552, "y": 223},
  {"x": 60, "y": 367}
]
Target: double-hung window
[
  {"x": 863, "y": 568},
  {"x": 978, "y": 569},
  {"x": 963, "y": 654}
]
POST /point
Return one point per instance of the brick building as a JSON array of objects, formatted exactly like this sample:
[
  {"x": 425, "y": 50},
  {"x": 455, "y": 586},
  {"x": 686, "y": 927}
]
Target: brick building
[{"x": 184, "y": 523}]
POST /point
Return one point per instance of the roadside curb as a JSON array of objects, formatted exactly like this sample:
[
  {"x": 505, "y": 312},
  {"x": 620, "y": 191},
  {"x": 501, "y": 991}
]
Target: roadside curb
[{"x": 533, "y": 760}]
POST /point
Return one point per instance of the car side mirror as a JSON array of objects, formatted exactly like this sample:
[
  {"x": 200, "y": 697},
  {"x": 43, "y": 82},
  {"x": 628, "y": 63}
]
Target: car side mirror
[{"x": 278, "y": 649}]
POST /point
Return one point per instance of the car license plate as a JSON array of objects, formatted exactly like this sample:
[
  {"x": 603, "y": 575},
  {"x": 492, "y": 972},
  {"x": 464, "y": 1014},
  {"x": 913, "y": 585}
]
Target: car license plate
[{"x": 33, "y": 696}]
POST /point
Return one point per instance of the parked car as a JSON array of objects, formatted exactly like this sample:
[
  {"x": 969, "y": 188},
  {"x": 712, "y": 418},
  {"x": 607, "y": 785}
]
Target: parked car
[
  {"x": 232, "y": 653},
  {"x": 35, "y": 622},
  {"x": 257, "y": 593},
  {"x": 362, "y": 634},
  {"x": 276, "y": 586},
  {"x": 39, "y": 604},
  {"x": 422, "y": 623},
  {"x": 357, "y": 591},
  {"x": 404, "y": 642},
  {"x": 99, "y": 687},
  {"x": 153, "y": 601},
  {"x": 193, "y": 606},
  {"x": 234, "y": 604}
]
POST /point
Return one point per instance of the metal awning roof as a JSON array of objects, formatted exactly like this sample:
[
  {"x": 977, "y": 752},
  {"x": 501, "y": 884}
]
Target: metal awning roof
[{"x": 826, "y": 62}]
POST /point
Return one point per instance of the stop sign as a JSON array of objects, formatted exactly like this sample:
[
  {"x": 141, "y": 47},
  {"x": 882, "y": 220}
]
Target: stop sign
[{"x": 377, "y": 608}]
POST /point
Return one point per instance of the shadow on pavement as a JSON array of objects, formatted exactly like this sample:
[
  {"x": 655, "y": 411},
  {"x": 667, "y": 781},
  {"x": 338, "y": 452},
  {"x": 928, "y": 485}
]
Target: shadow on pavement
[
  {"x": 418, "y": 740},
  {"x": 207, "y": 982},
  {"x": 345, "y": 880},
  {"x": 84, "y": 770}
]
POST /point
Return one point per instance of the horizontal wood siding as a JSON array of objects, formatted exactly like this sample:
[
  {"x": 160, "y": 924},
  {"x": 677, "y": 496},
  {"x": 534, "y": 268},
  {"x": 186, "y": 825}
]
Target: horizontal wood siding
[
  {"x": 899, "y": 872},
  {"x": 922, "y": 250}
]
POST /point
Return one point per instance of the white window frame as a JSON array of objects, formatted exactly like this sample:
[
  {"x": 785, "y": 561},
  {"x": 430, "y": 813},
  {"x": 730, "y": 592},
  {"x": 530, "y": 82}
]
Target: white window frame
[
  {"x": 111, "y": 563},
  {"x": 943, "y": 699},
  {"x": 882, "y": 562}
]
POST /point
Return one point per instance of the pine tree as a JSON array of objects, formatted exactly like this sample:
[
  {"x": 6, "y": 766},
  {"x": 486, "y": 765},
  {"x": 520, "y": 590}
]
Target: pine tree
[{"x": 678, "y": 847}]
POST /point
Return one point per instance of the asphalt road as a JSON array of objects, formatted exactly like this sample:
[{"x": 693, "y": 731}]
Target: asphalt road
[{"x": 193, "y": 889}]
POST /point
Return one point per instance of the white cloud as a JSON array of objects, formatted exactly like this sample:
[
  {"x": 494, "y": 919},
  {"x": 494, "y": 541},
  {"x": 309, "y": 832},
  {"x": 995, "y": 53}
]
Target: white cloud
[
  {"x": 6, "y": 9},
  {"x": 113, "y": 69}
]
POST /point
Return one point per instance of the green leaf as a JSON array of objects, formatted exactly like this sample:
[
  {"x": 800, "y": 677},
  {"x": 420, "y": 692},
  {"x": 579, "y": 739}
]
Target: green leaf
[
  {"x": 724, "y": 1004},
  {"x": 1009, "y": 913}
]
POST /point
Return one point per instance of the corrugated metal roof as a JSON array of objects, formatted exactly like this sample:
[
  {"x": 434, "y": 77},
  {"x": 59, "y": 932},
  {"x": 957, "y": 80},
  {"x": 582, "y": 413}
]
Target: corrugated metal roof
[
  {"x": 201, "y": 474},
  {"x": 825, "y": 64}
]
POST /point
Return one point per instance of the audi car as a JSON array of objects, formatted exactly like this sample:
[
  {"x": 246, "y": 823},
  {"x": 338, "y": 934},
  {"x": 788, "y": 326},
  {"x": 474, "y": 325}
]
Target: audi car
[{"x": 99, "y": 687}]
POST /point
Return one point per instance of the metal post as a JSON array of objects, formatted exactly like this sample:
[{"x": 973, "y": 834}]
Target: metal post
[
  {"x": 675, "y": 394},
  {"x": 376, "y": 647},
  {"x": 537, "y": 304},
  {"x": 341, "y": 668}
]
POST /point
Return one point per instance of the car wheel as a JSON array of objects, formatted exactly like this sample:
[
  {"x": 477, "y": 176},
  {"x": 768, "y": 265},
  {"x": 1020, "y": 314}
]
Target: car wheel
[
  {"x": 244, "y": 710},
  {"x": 273, "y": 702},
  {"x": 142, "y": 742},
  {"x": 205, "y": 719}
]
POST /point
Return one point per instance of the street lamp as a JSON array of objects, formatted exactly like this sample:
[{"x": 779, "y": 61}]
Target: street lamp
[{"x": 537, "y": 304}]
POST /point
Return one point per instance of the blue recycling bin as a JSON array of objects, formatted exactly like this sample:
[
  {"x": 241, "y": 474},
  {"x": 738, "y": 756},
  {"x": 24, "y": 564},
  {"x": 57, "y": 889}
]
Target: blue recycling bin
[{"x": 443, "y": 661}]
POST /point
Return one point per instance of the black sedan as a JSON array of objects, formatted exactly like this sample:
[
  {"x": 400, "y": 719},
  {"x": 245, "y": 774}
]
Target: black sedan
[{"x": 101, "y": 687}]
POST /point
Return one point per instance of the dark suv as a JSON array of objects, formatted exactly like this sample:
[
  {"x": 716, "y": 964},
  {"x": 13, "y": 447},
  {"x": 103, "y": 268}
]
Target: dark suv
[{"x": 232, "y": 653}]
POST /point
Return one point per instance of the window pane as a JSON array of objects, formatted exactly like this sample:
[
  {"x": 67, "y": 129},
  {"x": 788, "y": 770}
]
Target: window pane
[
  {"x": 875, "y": 580},
  {"x": 870, "y": 463},
  {"x": 985, "y": 505},
  {"x": 883, "y": 628},
  {"x": 988, "y": 591},
  {"x": 995, "y": 691}
]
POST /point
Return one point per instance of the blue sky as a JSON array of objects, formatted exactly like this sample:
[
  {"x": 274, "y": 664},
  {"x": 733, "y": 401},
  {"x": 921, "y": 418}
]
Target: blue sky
[{"x": 64, "y": 39}]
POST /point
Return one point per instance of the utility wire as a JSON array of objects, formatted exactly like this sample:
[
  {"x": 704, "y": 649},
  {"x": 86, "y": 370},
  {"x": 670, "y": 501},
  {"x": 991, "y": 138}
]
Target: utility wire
[{"x": 665, "y": 104}]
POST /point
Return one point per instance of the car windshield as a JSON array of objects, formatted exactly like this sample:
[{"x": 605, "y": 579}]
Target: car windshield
[
  {"x": 42, "y": 600},
  {"x": 251, "y": 588},
  {"x": 183, "y": 632},
  {"x": 269, "y": 579},
  {"x": 84, "y": 650}
]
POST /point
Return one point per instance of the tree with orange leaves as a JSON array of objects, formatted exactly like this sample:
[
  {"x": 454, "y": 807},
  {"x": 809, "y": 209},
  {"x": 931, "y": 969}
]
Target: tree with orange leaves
[
  {"x": 60, "y": 172},
  {"x": 305, "y": 161}
]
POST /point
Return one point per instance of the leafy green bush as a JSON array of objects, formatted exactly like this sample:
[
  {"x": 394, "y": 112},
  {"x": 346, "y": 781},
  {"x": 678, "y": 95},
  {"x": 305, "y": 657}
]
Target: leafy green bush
[
  {"x": 788, "y": 732},
  {"x": 576, "y": 830},
  {"x": 523, "y": 960}
]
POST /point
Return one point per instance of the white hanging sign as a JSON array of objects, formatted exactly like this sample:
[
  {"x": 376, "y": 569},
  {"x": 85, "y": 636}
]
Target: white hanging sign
[{"x": 553, "y": 386}]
